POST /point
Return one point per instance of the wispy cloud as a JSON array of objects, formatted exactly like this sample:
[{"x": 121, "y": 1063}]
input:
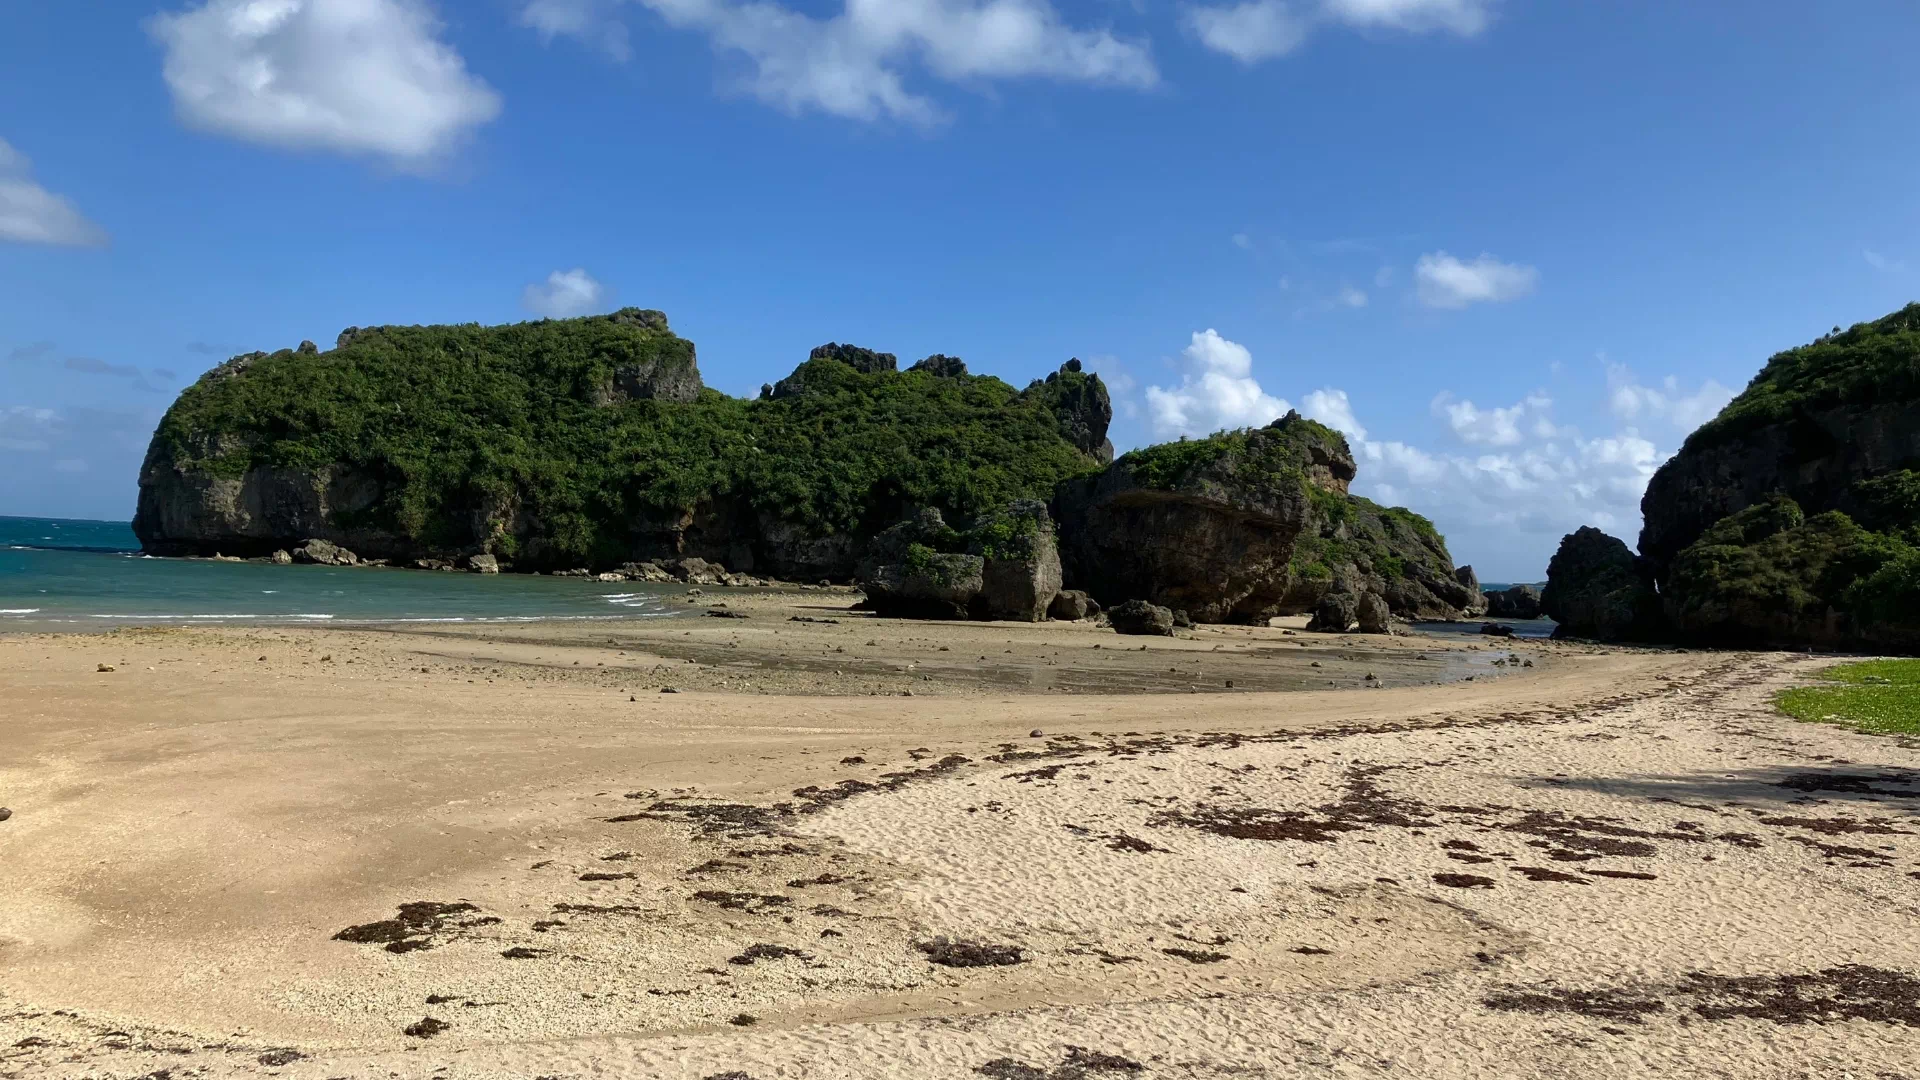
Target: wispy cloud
[
  {"x": 1256, "y": 30},
  {"x": 30, "y": 214},
  {"x": 1883, "y": 263}
]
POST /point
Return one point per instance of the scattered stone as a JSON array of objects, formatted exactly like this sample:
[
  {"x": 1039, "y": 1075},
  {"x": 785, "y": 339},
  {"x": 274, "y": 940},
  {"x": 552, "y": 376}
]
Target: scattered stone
[
  {"x": 1373, "y": 614},
  {"x": 744, "y": 1020},
  {"x": 324, "y": 553},
  {"x": 755, "y": 953}
]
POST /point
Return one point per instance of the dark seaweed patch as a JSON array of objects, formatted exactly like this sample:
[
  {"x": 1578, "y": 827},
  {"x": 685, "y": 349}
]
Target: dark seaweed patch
[
  {"x": 1601, "y": 1004},
  {"x": 741, "y": 901},
  {"x": 1541, "y": 873},
  {"x": 1197, "y": 956},
  {"x": 1463, "y": 881},
  {"x": 425, "y": 1028},
  {"x": 412, "y": 929},
  {"x": 755, "y": 953},
  {"x": 1080, "y": 1064},
  {"x": 971, "y": 954}
]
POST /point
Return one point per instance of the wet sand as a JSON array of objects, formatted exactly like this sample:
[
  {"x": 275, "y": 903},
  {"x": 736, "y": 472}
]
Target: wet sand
[{"x": 507, "y": 852}]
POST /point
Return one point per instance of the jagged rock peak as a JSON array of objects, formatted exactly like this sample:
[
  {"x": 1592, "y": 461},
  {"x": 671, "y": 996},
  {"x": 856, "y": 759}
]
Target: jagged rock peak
[
  {"x": 857, "y": 358},
  {"x": 942, "y": 366}
]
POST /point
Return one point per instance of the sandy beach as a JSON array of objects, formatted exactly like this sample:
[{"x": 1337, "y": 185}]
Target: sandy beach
[{"x": 851, "y": 847}]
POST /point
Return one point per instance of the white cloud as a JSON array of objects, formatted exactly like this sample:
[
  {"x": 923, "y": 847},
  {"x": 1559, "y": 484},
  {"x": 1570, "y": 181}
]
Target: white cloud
[
  {"x": 1383, "y": 277},
  {"x": 1446, "y": 282},
  {"x": 1243, "y": 241},
  {"x": 1351, "y": 297},
  {"x": 30, "y": 214},
  {"x": 1256, "y": 30},
  {"x": 564, "y": 295},
  {"x": 1217, "y": 390},
  {"x": 1884, "y": 264},
  {"x": 1497, "y": 426},
  {"x": 855, "y": 63},
  {"x": 589, "y": 20},
  {"x": 1331, "y": 407},
  {"x": 351, "y": 76},
  {"x": 1631, "y": 401},
  {"x": 1249, "y": 32}
]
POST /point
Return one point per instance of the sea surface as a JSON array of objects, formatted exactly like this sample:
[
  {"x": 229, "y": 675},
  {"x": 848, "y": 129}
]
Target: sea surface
[{"x": 72, "y": 575}]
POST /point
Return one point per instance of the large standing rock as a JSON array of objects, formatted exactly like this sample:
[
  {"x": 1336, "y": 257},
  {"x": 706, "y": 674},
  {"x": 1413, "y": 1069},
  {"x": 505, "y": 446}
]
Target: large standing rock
[
  {"x": 1140, "y": 618},
  {"x": 1597, "y": 589},
  {"x": 1373, "y": 614},
  {"x": 1022, "y": 574},
  {"x": 324, "y": 553},
  {"x": 1476, "y": 599},
  {"x": 1207, "y": 526},
  {"x": 1517, "y": 602},
  {"x": 941, "y": 366},
  {"x": 483, "y": 564}
]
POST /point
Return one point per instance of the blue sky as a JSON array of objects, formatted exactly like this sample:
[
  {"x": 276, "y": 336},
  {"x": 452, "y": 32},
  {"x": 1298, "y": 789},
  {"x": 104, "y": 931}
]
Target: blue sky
[{"x": 1515, "y": 249}]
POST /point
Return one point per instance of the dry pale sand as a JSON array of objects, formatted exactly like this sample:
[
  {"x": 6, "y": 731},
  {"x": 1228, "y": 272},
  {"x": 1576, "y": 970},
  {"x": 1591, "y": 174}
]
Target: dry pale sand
[{"x": 1612, "y": 863}]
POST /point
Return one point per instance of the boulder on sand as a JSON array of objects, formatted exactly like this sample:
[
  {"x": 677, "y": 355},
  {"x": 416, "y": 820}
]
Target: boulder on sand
[
  {"x": 1335, "y": 614},
  {"x": 928, "y": 585},
  {"x": 1072, "y": 605},
  {"x": 1141, "y": 618}
]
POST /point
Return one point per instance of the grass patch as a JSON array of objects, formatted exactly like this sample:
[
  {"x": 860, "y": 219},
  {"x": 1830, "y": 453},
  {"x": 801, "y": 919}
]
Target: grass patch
[{"x": 1881, "y": 697}]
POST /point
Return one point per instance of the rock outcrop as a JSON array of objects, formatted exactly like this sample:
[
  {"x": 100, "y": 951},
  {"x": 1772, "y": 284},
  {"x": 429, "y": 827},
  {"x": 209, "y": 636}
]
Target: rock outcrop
[
  {"x": 1476, "y": 602},
  {"x": 941, "y": 366},
  {"x": 1021, "y": 575},
  {"x": 1373, "y": 614},
  {"x": 1516, "y": 602},
  {"x": 1597, "y": 590},
  {"x": 1790, "y": 518},
  {"x": 928, "y": 586},
  {"x": 1140, "y": 619},
  {"x": 324, "y": 553},
  {"x": 1207, "y": 526},
  {"x": 1082, "y": 403}
]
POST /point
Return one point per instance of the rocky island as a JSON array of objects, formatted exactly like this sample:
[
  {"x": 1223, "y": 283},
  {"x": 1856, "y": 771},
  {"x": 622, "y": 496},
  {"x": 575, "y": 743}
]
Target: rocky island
[
  {"x": 1790, "y": 519},
  {"x": 594, "y": 444}
]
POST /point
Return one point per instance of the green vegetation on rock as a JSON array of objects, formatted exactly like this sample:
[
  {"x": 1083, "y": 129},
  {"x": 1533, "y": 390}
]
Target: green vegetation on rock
[
  {"x": 1869, "y": 362},
  {"x": 1770, "y": 575},
  {"x": 1875, "y": 696},
  {"x": 524, "y": 427}
]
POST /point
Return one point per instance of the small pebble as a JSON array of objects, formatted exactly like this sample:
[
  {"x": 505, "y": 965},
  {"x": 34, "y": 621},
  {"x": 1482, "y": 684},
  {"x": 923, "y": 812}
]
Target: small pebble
[
  {"x": 668, "y": 690},
  {"x": 5, "y": 813},
  {"x": 106, "y": 668},
  {"x": 1036, "y": 733}
]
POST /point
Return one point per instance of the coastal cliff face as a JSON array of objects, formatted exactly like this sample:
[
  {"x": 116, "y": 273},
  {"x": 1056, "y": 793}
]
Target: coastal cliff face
[
  {"x": 592, "y": 442},
  {"x": 1790, "y": 519}
]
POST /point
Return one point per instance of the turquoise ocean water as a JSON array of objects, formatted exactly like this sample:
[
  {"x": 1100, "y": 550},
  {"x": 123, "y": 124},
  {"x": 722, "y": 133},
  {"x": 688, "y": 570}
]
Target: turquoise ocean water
[{"x": 72, "y": 575}]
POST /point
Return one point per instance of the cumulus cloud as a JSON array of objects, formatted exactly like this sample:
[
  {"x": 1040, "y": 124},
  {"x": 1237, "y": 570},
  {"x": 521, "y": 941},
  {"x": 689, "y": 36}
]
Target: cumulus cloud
[
  {"x": 1632, "y": 401},
  {"x": 1496, "y": 426},
  {"x": 30, "y": 214},
  {"x": 1217, "y": 390},
  {"x": 1351, "y": 297},
  {"x": 564, "y": 295},
  {"x": 1331, "y": 407},
  {"x": 855, "y": 63},
  {"x": 1256, "y": 30},
  {"x": 1446, "y": 282},
  {"x": 351, "y": 76}
]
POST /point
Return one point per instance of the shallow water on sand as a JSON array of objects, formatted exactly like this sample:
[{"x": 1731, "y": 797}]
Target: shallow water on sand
[{"x": 74, "y": 575}]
